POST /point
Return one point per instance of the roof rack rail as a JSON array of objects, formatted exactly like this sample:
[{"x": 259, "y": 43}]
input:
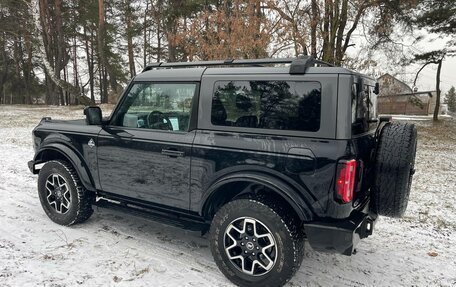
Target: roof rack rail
[{"x": 297, "y": 65}]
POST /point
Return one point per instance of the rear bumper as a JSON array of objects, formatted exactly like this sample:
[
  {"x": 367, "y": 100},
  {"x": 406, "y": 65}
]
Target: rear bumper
[{"x": 340, "y": 236}]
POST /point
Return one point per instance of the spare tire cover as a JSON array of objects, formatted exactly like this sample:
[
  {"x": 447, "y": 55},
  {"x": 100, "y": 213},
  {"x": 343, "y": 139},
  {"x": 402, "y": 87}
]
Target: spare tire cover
[{"x": 393, "y": 169}]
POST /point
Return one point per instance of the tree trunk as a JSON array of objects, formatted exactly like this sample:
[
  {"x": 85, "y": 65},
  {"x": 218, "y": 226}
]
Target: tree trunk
[
  {"x": 101, "y": 53},
  {"x": 4, "y": 72},
  {"x": 17, "y": 56},
  {"x": 437, "y": 87},
  {"x": 340, "y": 33},
  {"x": 65, "y": 95},
  {"x": 334, "y": 20},
  {"x": 75, "y": 69},
  {"x": 159, "y": 44},
  {"x": 59, "y": 61},
  {"x": 145, "y": 40},
  {"x": 171, "y": 23},
  {"x": 28, "y": 67},
  {"x": 326, "y": 22},
  {"x": 313, "y": 28},
  {"x": 100, "y": 80},
  {"x": 90, "y": 62},
  {"x": 128, "y": 20}
]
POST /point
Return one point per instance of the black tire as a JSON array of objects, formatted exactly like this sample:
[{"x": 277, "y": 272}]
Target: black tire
[
  {"x": 394, "y": 169},
  {"x": 285, "y": 230},
  {"x": 66, "y": 205}
]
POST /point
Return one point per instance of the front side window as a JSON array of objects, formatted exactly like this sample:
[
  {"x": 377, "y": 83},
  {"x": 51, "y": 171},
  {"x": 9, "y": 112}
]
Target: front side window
[
  {"x": 157, "y": 106},
  {"x": 280, "y": 105}
]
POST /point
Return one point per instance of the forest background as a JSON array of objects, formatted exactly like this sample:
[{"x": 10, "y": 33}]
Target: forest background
[{"x": 59, "y": 52}]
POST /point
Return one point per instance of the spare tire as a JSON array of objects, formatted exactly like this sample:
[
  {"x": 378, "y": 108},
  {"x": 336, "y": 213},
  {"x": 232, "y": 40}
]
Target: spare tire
[{"x": 394, "y": 169}]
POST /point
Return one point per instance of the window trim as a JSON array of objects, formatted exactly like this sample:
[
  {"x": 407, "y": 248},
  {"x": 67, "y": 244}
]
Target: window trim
[
  {"x": 265, "y": 130},
  {"x": 192, "y": 113}
]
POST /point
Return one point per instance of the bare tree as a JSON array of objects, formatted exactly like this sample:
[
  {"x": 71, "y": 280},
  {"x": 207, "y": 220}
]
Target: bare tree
[{"x": 436, "y": 58}]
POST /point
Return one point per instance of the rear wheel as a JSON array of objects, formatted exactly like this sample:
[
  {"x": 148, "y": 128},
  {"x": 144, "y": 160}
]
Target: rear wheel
[
  {"x": 394, "y": 169},
  {"x": 256, "y": 243},
  {"x": 63, "y": 198}
]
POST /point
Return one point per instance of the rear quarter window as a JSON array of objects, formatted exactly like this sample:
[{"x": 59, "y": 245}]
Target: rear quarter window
[
  {"x": 364, "y": 108},
  {"x": 278, "y": 105}
]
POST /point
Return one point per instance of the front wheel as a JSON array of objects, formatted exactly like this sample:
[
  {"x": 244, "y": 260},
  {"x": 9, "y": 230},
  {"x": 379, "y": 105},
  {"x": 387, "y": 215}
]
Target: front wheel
[
  {"x": 256, "y": 244},
  {"x": 62, "y": 196}
]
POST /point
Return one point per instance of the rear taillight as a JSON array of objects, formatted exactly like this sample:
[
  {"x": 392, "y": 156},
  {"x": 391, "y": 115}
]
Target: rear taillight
[{"x": 345, "y": 181}]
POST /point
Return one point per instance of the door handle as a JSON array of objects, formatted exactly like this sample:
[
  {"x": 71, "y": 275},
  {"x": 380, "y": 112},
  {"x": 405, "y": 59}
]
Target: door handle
[{"x": 172, "y": 153}]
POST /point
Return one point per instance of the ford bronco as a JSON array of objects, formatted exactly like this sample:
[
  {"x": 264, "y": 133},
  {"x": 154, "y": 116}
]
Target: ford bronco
[{"x": 262, "y": 154}]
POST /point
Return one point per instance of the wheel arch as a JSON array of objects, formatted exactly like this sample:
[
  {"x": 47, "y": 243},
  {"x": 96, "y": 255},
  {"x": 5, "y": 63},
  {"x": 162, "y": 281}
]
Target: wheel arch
[
  {"x": 235, "y": 185},
  {"x": 55, "y": 151}
]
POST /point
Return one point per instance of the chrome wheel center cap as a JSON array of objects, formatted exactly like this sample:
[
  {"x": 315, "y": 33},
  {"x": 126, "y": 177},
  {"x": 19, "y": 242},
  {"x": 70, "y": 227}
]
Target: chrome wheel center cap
[{"x": 249, "y": 246}]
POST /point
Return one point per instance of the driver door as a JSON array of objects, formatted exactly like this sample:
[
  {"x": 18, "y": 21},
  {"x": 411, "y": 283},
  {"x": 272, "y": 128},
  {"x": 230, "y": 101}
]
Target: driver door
[{"x": 144, "y": 153}]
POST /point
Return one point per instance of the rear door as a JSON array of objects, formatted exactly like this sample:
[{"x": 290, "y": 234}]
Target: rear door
[{"x": 144, "y": 153}]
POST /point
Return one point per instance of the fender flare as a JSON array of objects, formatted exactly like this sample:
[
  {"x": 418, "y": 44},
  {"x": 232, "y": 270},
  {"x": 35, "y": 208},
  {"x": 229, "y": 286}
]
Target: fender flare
[
  {"x": 73, "y": 157},
  {"x": 281, "y": 188}
]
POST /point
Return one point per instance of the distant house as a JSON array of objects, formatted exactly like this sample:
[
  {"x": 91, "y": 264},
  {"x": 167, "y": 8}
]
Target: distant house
[
  {"x": 389, "y": 85},
  {"x": 396, "y": 97}
]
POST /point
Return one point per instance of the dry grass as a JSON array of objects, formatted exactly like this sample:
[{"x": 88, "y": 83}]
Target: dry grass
[{"x": 442, "y": 131}]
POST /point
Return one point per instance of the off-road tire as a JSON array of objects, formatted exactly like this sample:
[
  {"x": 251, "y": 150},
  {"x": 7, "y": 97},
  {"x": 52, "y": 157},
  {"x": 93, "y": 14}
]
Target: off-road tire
[
  {"x": 284, "y": 227},
  {"x": 394, "y": 169},
  {"x": 80, "y": 206}
]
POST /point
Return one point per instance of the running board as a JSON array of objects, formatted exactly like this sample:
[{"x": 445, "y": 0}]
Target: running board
[{"x": 166, "y": 218}]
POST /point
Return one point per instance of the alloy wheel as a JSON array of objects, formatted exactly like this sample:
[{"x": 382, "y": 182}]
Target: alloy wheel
[
  {"x": 58, "y": 193},
  {"x": 250, "y": 246}
]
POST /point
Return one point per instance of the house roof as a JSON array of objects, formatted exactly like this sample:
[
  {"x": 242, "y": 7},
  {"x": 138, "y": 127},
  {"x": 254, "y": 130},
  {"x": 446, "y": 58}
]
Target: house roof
[{"x": 385, "y": 75}]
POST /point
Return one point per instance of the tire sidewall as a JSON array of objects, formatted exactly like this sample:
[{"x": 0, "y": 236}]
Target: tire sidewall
[
  {"x": 57, "y": 167},
  {"x": 283, "y": 240},
  {"x": 411, "y": 161}
]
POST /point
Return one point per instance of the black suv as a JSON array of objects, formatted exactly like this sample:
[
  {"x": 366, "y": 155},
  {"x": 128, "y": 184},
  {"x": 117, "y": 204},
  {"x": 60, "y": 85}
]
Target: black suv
[{"x": 261, "y": 153}]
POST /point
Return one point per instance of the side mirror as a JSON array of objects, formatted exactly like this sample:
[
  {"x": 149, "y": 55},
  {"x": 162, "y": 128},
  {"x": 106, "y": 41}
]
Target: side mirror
[
  {"x": 93, "y": 115},
  {"x": 377, "y": 89}
]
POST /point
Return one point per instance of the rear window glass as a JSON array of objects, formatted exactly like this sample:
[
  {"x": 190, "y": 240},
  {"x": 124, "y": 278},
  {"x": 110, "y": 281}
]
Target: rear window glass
[{"x": 280, "y": 105}]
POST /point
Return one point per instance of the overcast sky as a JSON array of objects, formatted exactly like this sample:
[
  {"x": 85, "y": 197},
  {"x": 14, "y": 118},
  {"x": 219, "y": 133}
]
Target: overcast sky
[{"x": 427, "y": 77}]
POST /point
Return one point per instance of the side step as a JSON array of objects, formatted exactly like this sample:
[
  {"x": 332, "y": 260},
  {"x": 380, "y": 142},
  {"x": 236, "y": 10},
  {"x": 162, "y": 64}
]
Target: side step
[{"x": 162, "y": 217}]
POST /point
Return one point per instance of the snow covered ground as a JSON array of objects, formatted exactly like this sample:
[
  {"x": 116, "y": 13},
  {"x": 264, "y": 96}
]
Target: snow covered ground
[
  {"x": 117, "y": 249},
  {"x": 416, "y": 118}
]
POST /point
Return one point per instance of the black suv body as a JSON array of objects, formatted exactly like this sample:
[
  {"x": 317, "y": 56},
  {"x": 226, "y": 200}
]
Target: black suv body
[{"x": 186, "y": 139}]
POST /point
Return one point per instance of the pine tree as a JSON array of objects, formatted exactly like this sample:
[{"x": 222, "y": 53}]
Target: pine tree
[
  {"x": 451, "y": 99},
  {"x": 18, "y": 82}
]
